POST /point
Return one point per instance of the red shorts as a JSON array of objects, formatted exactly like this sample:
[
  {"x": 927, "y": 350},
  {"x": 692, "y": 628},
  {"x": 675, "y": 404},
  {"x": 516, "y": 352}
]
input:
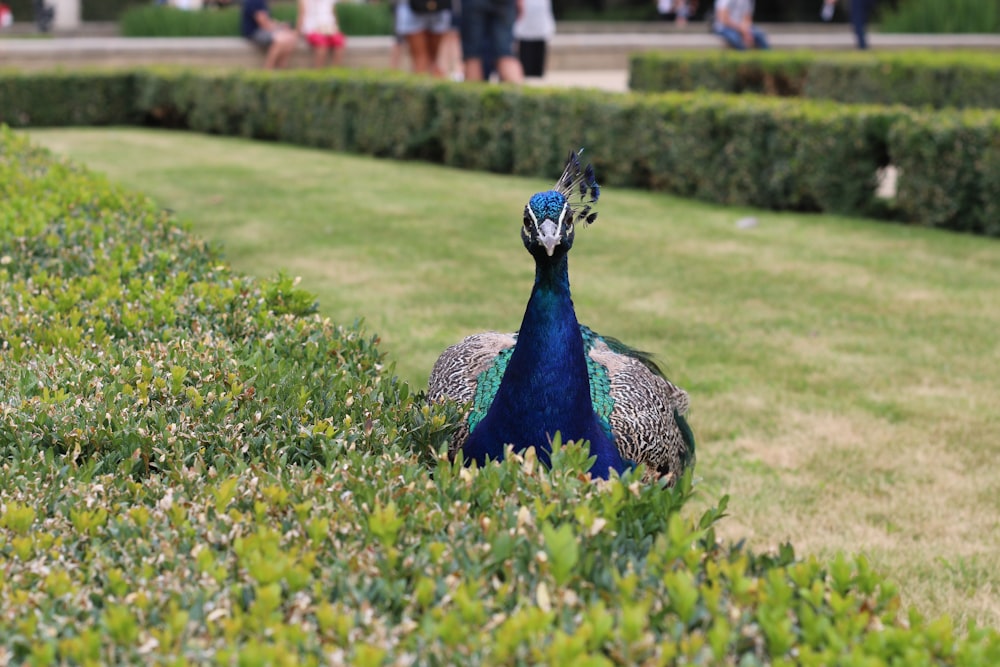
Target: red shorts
[{"x": 334, "y": 41}]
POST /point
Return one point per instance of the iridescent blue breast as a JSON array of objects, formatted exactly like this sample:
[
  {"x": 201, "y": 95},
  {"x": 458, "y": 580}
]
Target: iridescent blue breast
[{"x": 488, "y": 382}]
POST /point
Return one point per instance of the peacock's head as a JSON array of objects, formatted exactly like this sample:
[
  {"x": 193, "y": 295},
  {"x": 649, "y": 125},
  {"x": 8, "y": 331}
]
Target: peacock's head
[
  {"x": 550, "y": 217},
  {"x": 548, "y": 223}
]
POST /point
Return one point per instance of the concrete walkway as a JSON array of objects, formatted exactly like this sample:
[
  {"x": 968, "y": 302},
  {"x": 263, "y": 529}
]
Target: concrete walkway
[
  {"x": 576, "y": 58},
  {"x": 613, "y": 80}
]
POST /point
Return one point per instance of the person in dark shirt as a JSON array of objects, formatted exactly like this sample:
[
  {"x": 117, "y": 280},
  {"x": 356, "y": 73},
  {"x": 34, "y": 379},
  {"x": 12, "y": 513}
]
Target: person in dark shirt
[
  {"x": 275, "y": 38},
  {"x": 860, "y": 11}
]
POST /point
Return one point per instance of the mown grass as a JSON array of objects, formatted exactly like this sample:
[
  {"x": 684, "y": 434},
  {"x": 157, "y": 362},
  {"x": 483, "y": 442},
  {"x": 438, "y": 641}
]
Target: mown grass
[{"x": 842, "y": 372}]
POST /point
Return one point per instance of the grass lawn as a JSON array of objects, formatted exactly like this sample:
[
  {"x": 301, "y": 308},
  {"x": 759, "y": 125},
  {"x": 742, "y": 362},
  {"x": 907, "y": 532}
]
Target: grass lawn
[{"x": 843, "y": 373}]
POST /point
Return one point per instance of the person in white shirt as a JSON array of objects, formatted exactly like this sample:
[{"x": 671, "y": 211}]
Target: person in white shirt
[
  {"x": 734, "y": 24},
  {"x": 317, "y": 22},
  {"x": 532, "y": 30}
]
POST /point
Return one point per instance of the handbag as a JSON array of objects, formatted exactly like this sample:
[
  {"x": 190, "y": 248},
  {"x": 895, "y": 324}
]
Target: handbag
[{"x": 429, "y": 6}]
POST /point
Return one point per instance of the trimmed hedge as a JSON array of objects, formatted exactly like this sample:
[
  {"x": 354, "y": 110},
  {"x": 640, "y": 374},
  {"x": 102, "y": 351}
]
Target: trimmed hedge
[
  {"x": 952, "y": 168},
  {"x": 705, "y": 147},
  {"x": 198, "y": 469},
  {"x": 67, "y": 98},
  {"x": 960, "y": 79},
  {"x": 164, "y": 21},
  {"x": 90, "y": 10},
  {"x": 96, "y": 283},
  {"x": 106, "y": 10},
  {"x": 739, "y": 150}
]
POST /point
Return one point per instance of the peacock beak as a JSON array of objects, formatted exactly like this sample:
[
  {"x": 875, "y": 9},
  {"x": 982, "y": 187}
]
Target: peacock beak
[{"x": 548, "y": 236}]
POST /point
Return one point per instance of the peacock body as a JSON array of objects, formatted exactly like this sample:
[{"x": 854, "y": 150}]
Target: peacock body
[{"x": 556, "y": 375}]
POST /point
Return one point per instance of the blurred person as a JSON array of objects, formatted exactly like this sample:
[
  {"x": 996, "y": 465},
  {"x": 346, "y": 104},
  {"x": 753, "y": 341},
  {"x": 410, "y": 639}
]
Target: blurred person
[
  {"x": 398, "y": 40},
  {"x": 450, "y": 50},
  {"x": 317, "y": 22},
  {"x": 678, "y": 11},
  {"x": 488, "y": 30},
  {"x": 423, "y": 24},
  {"x": 533, "y": 29},
  {"x": 44, "y": 15},
  {"x": 275, "y": 38},
  {"x": 734, "y": 24},
  {"x": 396, "y": 52},
  {"x": 861, "y": 11}
]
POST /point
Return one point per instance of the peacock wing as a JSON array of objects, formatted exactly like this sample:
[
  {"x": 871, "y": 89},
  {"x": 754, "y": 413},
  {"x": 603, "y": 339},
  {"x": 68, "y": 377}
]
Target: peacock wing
[
  {"x": 645, "y": 411},
  {"x": 469, "y": 372}
]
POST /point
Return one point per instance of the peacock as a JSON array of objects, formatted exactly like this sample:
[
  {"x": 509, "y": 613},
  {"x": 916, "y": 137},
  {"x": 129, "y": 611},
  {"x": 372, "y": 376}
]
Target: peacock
[{"x": 556, "y": 375}]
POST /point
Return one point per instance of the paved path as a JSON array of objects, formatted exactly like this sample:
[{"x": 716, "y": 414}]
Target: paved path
[
  {"x": 588, "y": 59},
  {"x": 614, "y": 80}
]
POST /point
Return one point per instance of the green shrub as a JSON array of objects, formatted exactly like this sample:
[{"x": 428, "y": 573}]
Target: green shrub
[
  {"x": 547, "y": 125},
  {"x": 197, "y": 468},
  {"x": 747, "y": 150},
  {"x": 66, "y": 98},
  {"x": 768, "y": 73},
  {"x": 106, "y": 10},
  {"x": 355, "y": 18},
  {"x": 140, "y": 344},
  {"x": 960, "y": 79},
  {"x": 916, "y": 79},
  {"x": 949, "y": 164},
  {"x": 163, "y": 21},
  {"x": 961, "y": 16},
  {"x": 90, "y": 10},
  {"x": 476, "y": 126},
  {"x": 217, "y": 103}
]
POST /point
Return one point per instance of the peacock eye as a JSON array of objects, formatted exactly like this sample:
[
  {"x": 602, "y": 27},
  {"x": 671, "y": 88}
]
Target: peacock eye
[{"x": 527, "y": 218}]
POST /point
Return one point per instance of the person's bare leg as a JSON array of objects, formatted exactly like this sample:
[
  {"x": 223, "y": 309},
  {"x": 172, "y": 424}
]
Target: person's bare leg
[
  {"x": 433, "y": 47},
  {"x": 420, "y": 60},
  {"x": 510, "y": 70},
  {"x": 271, "y": 60},
  {"x": 473, "y": 69},
  {"x": 293, "y": 41},
  {"x": 449, "y": 53},
  {"x": 319, "y": 56},
  {"x": 337, "y": 56},
  {"x": 288, "y": 39},
  {"x": 282, "y": 60}
]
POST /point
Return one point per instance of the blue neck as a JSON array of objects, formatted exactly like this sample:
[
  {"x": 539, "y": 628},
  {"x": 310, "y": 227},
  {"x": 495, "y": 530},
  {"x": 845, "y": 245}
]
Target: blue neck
[{"x": 546, "y": 387}]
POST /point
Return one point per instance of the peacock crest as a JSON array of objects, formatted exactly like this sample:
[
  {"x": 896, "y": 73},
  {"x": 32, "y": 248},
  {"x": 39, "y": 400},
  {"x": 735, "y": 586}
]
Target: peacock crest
[
  {"x": 576, "y": 191},
  {"x": 579, "y": 185},
  {"x": 550, "y": 217}
]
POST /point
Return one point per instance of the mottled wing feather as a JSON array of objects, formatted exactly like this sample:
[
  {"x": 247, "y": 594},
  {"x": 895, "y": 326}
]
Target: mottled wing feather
[
  {"x": 647, "y": 417},
  {"x": 457, "y": 373}
]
